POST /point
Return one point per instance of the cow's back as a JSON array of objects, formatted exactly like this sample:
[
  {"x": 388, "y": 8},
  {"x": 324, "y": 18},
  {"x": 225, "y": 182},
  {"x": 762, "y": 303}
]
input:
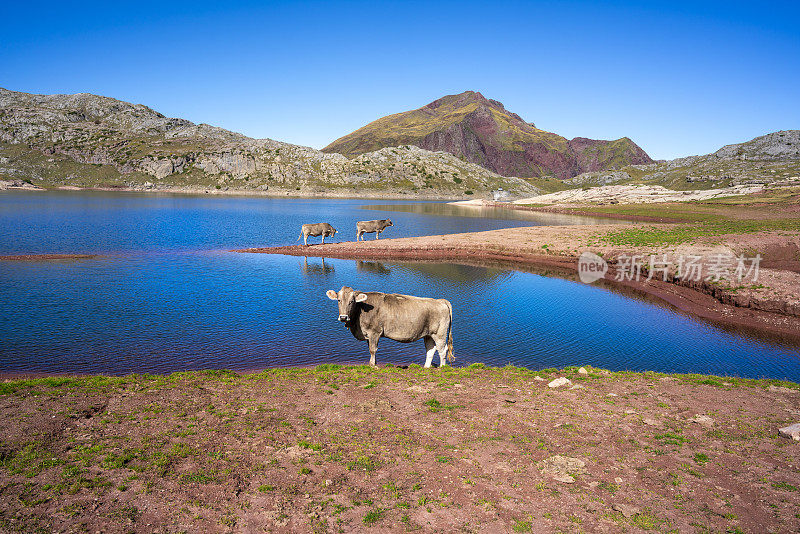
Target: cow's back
[
  {"x": 317, "y": 229},
  {"x": 371, "y": 226},
  {"x": 403, "y": 317}
]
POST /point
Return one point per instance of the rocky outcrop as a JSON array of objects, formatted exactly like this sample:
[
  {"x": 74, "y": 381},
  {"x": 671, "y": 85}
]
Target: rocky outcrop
[
  {"x": 774, "y": 146},
  {"x": 118, "y": 144},
  {"x": 482, "y": 131},
  {"x": 635, "y": 194},
  {"x": 18, "y": 184},
  {"x": 770, "y": 159}
]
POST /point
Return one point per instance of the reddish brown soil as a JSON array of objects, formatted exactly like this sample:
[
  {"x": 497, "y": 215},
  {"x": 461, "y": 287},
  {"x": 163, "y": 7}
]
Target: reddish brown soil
[{"x": 344, "y": 449}]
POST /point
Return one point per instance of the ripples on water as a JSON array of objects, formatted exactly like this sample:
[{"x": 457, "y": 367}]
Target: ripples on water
[
  {"x": 163, "y": 311},
  {"x": 168, "y": 312},
  {"x": 86, "y": 222}
]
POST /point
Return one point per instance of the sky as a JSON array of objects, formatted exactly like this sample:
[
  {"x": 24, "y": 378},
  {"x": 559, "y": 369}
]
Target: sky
[{"x": 679, "y": 78}]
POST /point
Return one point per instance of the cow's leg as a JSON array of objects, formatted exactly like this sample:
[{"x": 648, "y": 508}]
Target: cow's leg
[
  {"x": 377, "y": 234},
  {"x": 323, "y": 239},
  {"x": 441, "y": 348},
  {"x": 430, "y": 348},
  {"x": 373, "y": 348},
  {"x": 305, "y": 239}
]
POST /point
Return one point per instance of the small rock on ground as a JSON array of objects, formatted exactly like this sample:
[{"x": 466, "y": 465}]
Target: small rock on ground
[
  {"x": 791, "y": 431},
  {"x": 702, "y": 420},
  {"x": 558, "y": 382},
  {"x": 563, "y": 468},
  {"x": 626, "y": 509}
]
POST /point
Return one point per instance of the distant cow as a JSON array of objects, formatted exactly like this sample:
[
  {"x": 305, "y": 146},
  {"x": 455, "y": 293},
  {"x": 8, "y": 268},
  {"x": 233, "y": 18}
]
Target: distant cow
[
  {"x": 316, "y": 230},
  {"x": 369, "y": 227},
  {"x": 370, "y": 316}
]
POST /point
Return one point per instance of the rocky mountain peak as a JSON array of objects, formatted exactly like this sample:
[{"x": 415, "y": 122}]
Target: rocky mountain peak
[{"x": 483, "y": 131}]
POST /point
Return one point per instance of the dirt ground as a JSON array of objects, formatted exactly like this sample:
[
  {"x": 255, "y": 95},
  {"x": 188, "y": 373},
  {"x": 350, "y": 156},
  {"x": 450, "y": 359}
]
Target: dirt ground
[{"x": 337, "y": 449}]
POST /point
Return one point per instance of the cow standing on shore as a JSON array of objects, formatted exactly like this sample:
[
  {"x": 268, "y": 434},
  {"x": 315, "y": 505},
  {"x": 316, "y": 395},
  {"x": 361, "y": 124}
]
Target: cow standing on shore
[
  {"x": 369, "y": 227},
  {"x": 371, "y": 315},
  {"x": 316, "y": 230}
]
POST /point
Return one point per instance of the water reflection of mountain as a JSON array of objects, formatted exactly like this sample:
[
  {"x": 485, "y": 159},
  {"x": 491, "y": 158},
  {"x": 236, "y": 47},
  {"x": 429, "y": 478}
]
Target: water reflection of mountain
[
  {"x": 454, "y": 272},
  {"x": 536, "y": 218},
  {"x": 374, "y": 267},
  {"x": 316, "y": 268}
]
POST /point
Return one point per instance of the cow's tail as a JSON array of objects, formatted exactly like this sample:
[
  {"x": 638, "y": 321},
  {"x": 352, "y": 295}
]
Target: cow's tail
[
  {"x": 450, "y": 355},
  {"x": 298, "y": 237}
]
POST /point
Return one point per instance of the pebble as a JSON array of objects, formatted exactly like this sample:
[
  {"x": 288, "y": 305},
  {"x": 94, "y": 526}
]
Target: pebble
[
  {"x": 791, "y": 431},
  {"x": 626, "y": 509},
  {"x": 558, "y": 382},
  {"x": 539, "y": 378},
  {"x": 562, "y": 468},
  {"x": 583, "y": 371},
  {"x": 702, "y": 420}
]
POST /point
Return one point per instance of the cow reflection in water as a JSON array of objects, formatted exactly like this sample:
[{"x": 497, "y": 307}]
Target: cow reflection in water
[
  {"x": 372, "y": 315},
  {"x": 374, "y": 267},
  {"x": 321, "y": 268}
]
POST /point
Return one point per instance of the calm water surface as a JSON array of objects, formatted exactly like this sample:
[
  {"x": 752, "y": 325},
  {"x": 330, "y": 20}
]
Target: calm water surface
[{"x": 167, "y": 295}]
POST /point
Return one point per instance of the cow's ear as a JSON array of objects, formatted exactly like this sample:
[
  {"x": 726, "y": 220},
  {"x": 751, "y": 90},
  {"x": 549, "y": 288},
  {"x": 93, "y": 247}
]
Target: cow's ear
[
  {"x": 332, "y": 294},
  {"x": 361, "y": 297}
]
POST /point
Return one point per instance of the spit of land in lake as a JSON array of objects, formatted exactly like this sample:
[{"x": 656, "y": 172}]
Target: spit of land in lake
[{"x": 764, "y": 225}]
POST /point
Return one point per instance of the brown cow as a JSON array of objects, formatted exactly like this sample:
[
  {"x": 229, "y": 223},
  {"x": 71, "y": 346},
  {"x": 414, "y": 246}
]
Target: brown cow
[
  {"x": 316, "y": 230},
  {"x": 371, "y": 315},
  {"x": 370, "y": 227}
]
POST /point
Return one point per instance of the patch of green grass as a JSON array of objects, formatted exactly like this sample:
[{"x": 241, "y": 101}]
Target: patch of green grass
[
  {"x": 652, "y": 236},
  {"x": 522, "y": 526},
  {"x": 364, "y": 462},
  {"x": 373, "y": 516},
  {"x": 701, "y": 458},
  {"x": 265, "y": 488},
  {"x": 647, "y": 521},
  {"x": 784, "y": 486},
  {"x": 30, "y": 461},
  {"x": 436, "y": 406},
  {"x": 199, "y": 477},
  {"x": 609, "y": 487},
  {"x": 671, "y": 438}
]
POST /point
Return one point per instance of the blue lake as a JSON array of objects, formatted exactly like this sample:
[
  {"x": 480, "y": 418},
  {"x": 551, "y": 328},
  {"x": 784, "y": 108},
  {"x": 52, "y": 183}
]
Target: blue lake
[{"x": 167, "y": 294}]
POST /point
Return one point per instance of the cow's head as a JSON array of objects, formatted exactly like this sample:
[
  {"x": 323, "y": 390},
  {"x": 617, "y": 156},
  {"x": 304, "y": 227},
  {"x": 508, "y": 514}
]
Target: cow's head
[
  {"x": 333, "y": 233},
  {"x": 389, "y": 222},
  {"x": 348, "y": 299}
]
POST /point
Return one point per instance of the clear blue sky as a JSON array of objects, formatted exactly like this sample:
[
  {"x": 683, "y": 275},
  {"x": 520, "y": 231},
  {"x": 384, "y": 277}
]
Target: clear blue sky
[{"x": 679, "y": 78}]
